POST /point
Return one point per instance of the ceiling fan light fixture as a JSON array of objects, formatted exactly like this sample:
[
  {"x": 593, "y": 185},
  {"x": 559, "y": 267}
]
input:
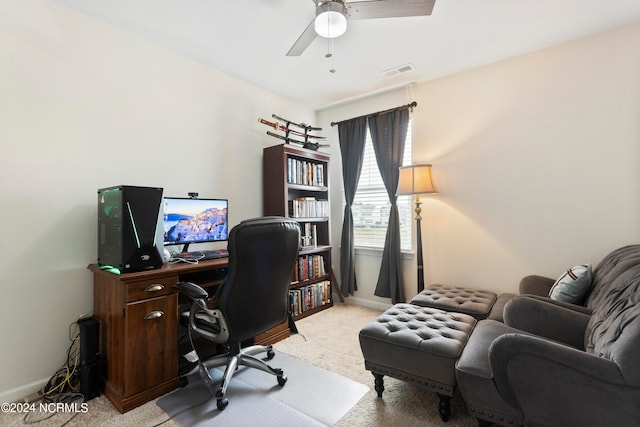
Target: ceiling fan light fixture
[{"x": 331, "y": 19}]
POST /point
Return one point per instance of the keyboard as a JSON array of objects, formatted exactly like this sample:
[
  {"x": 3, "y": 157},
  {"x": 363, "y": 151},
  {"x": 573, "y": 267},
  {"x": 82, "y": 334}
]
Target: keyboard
[{"x": 200, "y": 255}]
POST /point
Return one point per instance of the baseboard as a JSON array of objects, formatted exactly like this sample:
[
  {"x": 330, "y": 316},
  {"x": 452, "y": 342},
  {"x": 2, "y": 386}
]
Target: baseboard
[
  {"x": 19, "y": 393},
  {"x": 368, "y": 303}
]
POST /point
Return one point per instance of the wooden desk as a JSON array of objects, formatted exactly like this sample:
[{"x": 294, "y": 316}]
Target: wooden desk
[{"x": 138, "y": 316}]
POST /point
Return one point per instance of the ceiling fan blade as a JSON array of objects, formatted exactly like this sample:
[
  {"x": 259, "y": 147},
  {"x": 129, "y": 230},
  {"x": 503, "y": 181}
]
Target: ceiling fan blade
[
  {"x": 303, "y": 42},
  {"x": 389, "y": 8}
]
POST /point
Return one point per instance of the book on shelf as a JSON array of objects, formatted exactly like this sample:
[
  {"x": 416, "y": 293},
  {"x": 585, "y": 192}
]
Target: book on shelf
[
  {"x": 308, "y": 207},
  {"x": 309, "y": 297},
  {"x": 309, "y": 267},
  {"x": 304, "y": 172}
]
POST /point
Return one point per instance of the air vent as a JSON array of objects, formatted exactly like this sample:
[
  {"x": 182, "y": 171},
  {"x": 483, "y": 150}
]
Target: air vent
[{"x": 398, "y": 70}]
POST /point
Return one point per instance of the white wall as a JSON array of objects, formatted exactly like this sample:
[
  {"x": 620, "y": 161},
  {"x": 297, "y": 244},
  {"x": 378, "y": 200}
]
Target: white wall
[
  {"x": 85, "y": 106},
  {"x": 536, "y": 160}
]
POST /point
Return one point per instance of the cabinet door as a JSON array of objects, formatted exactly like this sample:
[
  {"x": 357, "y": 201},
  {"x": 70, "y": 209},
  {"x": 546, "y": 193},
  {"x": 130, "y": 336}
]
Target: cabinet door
[{"x": 151, "y": 329}]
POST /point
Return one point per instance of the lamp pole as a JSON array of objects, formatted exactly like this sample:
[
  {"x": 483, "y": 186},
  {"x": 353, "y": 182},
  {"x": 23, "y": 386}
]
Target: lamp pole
[
  {"x": 417, "y": 179},
  {"x": 419, "y": 241}
]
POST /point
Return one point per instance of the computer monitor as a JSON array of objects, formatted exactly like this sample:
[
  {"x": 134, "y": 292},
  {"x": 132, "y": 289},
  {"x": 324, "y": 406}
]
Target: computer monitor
[{"x": 191, "y": 220}]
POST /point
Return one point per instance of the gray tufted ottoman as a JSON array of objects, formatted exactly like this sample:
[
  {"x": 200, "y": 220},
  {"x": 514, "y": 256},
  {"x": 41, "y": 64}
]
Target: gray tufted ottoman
[
  {"x": 474, "y": 302},
  {"x": 417, "y": 344}
]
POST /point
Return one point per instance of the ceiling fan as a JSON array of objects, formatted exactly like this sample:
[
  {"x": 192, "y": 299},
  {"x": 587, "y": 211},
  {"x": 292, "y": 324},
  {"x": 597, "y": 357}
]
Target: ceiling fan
[{"x": 331, "y": 17}]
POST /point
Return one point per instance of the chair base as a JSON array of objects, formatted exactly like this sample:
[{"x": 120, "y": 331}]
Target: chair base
[{"x": 232, "y": 360}]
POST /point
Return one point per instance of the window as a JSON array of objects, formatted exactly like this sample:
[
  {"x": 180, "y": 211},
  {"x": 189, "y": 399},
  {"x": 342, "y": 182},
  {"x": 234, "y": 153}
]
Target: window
[{"x": 371, "y": 204}]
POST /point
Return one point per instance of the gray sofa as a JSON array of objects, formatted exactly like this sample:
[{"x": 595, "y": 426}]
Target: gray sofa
[{"x": 558, "y": 364}]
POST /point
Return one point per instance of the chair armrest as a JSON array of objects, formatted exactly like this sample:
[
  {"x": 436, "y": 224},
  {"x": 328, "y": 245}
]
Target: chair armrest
[
  {"x": 532, "y": 373},
  {"x": 547, "y": 320},
  {"x": 574, "y": 307},
  {"x": 191, "y": 290},
  {"x": 536, "y": 285}
]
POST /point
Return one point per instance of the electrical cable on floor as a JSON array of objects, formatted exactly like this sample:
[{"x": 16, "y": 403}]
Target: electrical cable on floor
[
  {"x": 64, "y": 385},
  {"x": 68, "y": 398}
]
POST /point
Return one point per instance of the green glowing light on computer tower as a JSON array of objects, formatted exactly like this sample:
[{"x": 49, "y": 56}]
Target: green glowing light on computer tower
[{"x": 133, "y": 223}]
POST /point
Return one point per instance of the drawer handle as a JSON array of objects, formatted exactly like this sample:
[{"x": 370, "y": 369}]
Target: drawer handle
[
  {"x": 154, "y": 315},
  {"x": 154, "y": 288}
]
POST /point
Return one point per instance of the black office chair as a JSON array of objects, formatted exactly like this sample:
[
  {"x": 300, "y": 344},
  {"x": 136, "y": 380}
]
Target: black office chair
[{"x": 253, "y": 298}]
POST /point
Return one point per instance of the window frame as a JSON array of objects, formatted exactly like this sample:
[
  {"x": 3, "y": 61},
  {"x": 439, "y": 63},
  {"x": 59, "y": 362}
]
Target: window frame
[{"x": 370, "y": 223}]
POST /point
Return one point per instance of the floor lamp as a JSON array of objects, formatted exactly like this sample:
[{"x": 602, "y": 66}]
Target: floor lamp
[{"x": 417, "y": 179}]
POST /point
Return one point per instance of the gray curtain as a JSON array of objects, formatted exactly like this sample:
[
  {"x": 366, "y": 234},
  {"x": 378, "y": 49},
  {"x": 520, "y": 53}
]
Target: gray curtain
[
  {"x": 352, "y": 134},
  {"x": 388, "y": 132}
]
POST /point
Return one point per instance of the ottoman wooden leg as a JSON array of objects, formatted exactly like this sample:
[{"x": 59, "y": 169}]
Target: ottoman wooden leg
[
  {"x": 444, "y": 407},
  {"x": 379, "y": 383}
]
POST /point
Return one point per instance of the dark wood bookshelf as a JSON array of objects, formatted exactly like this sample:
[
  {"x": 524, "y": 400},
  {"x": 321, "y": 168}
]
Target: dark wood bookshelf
[{"x": 296, "y": 175}]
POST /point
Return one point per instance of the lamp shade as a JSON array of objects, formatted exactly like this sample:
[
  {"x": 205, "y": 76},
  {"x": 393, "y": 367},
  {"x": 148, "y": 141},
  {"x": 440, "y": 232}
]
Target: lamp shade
[
  {"x": 416, "y": 179},
  {"x": 331, "y": 20}
]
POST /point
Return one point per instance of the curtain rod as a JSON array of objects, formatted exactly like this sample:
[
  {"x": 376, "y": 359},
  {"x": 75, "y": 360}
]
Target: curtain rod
[{"x": 412, "y": 105}]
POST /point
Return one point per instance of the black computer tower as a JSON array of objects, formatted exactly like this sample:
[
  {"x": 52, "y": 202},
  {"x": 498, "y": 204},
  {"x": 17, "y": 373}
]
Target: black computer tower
[{"x": 127, "y": 222}]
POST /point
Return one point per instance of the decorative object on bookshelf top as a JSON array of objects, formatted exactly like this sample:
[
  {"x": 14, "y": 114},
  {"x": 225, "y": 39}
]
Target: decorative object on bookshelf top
[
  {"x": 309, "y": 139},
  {"x": 278, "y": 126}
]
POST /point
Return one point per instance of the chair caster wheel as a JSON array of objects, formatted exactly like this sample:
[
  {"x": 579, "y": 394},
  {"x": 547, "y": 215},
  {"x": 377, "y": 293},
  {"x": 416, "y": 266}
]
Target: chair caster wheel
[
  {"x": 222, "y": 403},
  {"x": 282, "y": 379},
  {"x": 270, "y": 354}
]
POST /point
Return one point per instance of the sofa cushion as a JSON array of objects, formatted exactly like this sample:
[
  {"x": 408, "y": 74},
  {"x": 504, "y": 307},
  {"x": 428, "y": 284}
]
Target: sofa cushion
[
  {"x": 613, "y": 331},
  {"x": 573, "y": 285},
  {"x": 473, "y": 369},
  {"x": 497, "y": 311},
  {"x": 611, "y": 266}
]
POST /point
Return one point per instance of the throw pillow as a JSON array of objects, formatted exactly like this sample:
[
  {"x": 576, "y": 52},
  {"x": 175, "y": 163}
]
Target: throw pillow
[{"x": 573, "y": 285}]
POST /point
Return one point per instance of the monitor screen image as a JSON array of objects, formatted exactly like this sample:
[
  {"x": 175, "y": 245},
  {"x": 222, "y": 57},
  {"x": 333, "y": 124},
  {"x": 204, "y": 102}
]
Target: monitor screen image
[{"x": 187, "y": 220}]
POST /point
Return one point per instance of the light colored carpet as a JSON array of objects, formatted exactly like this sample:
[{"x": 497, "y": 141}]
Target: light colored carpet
[
  {"x": 312, "y": 397},
  {"x": 331, "y": 343}
]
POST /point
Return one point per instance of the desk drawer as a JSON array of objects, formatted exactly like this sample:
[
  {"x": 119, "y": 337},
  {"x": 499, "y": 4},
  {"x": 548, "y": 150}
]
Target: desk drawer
[{"x": 150, "y": 288}]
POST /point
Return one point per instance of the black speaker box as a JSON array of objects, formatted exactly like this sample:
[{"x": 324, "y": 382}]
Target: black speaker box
[
  {"x": 89, "y": 358},
  {"x": 89, "y": 329},
  {"x": 127, "y": 222},
  {"x": 89, "y": 381}
]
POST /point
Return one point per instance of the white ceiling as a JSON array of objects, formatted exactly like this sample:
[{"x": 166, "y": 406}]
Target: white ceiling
[{"x": 250, "y": 39}]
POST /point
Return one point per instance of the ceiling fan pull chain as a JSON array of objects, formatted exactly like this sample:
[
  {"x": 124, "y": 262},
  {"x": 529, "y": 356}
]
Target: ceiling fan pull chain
[{"x": 330, "y": 55}]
